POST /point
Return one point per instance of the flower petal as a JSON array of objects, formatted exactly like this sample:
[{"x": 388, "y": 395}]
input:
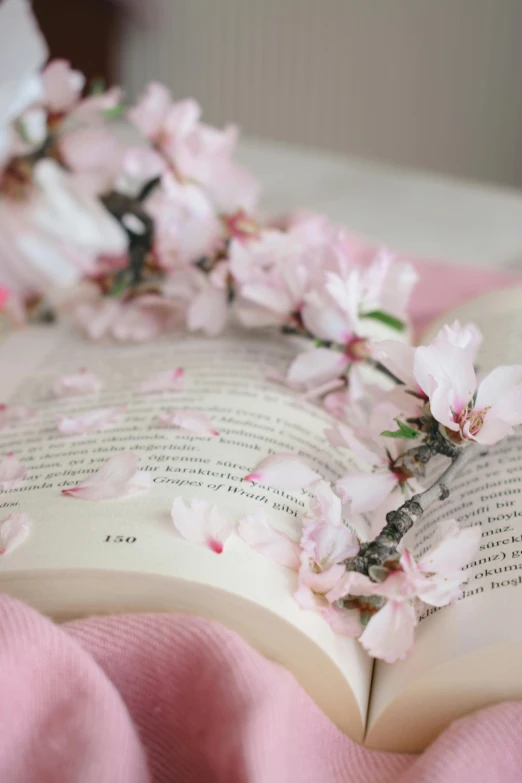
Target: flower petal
[
  {"x": 500, "y": 394},
  {"x": 307, "y": 599},
  {"x": 345, "y": 622},
  {"x": 365, "y": 491},
  {"x": 201, "y": 523},
  {"x": 317, "y": 367},
  {"x": 445, "y": 373},
  {"x": 353, "y": 583},
  {"x": 389, "y": 633},
  {"x": 468, "y": 336},
  {"x": 172, "y": 380},
  {"x": 77, "y": 384},
  {"x": 322, "y": 582},
  {"x": 90, "y": 421},
  {"x": 325, "y": 505},
  {"x": 343, "y": 436},
  {"x": 283, "y": 471},
  {"x": 397, "y": 357},
  {"x": 324, "y": 320},
  {"x": 14, "y": 414},
  {"x": 189, "y": 420},
  {"x": 12, "y": 472},
  {"x": 208, "y": 311},
  {"x": 453, "y": 548},
  {"x": 256, "y": 531},
  {"x": 14, "y": 529},
  {"x": 117, "y": 478}
]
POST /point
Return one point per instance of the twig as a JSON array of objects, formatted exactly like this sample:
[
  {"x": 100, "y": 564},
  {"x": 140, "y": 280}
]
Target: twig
[{"x": 384, "y": 547}]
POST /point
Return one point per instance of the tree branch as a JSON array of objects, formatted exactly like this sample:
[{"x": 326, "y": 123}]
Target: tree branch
[{"x": 384, "y": 547}]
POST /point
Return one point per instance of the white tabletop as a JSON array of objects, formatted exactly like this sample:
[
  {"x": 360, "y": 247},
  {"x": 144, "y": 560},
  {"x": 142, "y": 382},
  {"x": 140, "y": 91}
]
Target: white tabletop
[{"x": 414, "y": 212}]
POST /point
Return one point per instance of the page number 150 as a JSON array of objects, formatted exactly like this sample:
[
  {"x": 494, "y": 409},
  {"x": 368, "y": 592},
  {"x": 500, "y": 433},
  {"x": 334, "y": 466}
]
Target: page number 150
[{"x": 120, "y": 540}]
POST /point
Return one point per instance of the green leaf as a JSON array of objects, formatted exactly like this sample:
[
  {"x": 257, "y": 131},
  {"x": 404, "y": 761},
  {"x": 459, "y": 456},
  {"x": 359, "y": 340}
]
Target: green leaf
[
  {"x": 118, "y": 287},
  {"x": 97, "y": 87},
  {"x": 114, "y": 112},
  {"x": 387, "y": 319},
  {"x": 403, "y": 432}
]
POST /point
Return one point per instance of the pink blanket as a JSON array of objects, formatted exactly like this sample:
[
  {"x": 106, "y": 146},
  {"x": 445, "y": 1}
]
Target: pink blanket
[{"x": 173, "y": 699}]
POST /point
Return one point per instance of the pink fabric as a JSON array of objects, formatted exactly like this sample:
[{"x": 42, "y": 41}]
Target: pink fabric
[
  {"x": 172, "y": 699},
  {"x": 442, "y": 286}
]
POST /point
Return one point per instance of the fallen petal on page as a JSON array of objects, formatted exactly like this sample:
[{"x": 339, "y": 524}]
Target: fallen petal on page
[
  {"x": 12, "y": 472},
  {"x": 77, "y": 385},
  {"x": 283, "y": 471},
  {"x": 90, "y": 421},
  {"x": 172, "y": 380},
  {"x": 191, "y": 421},
  {"x": 14, "y": 414},
  {"x": 119, "y": 477},
  {"x": 14, "y": 529},
  {"x": 201, "y": 523},
  {"x": 257, "y": 532}
]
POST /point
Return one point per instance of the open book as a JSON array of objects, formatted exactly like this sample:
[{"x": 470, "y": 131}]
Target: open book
[{"x": 126, "y": 556}]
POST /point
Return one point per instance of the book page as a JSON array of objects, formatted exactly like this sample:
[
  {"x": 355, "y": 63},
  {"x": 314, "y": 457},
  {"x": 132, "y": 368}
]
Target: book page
[
  {"x": 225, "y": 378},
  {"x": 466, "y": 655}
]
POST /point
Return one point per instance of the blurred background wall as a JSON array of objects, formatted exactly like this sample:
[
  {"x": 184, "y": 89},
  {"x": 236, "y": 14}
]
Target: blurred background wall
[{"x": 433, "y": 84}]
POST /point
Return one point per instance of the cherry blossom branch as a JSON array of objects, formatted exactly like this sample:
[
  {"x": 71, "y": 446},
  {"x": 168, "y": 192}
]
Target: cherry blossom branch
[{"x": 384, "y": 547}]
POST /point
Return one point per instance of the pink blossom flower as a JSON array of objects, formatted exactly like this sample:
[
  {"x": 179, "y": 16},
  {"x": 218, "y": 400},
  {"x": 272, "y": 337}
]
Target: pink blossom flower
[
  {"x": 77, "y": 384},
  {"x": 336, "y": 403},
  {"x": 367, "y": 489},
  {"x": 138, "y": 166},
  {"x": 186, "y": 225},
  {"x": 150, "y": 112},
  {"x": 94, "y": 153},
  {"x": 343, "y": 621},
  {"x": 97, "y": 420},
  {"x": 197, "y": 152},
  {"x": 29, "y": 132},
  {"x": 172, "y": 380},
  {"x": 271, "y": 278},
  {"x": 241, "y": 226},
  {"x": 201, "y": 523},
  {"x": 12, "y": 472},
  {"x": 209, "y": 309},
  {"x": 325, "y": 543},
  {"x": 37, "y": 242},
  {"x": 67, "y": 211},
  {"x": 275, "y": 545},
  {"x": 14, "y": 530},
  {"x": 283, "y": 471},
  {"x": 54, "y": 237},
  {"x": 191, "y": 421},
  {"x": 439, "y": 574},
  {"x": 92, "y": 108},
  {"x": 325, "y": 539},
  {"x": 485, "y": 412},
  {"x": 339, "y": 310},
  {"x": 144, "y": 318},
  {"x": 118, "y": 477},
  {"x": 313, "y": 587},
  {"x": 141, "y": 319},
  {"x": 398, "y": 357},
  {"x": 343, "y": 311},
  {"x": 436, "y": 580},
  {"x": 14, "y": 414},
  {"x": 204, "y": 154},
  {"x": 62, "y": 86},
  {"x": 324, "y": 365}
]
